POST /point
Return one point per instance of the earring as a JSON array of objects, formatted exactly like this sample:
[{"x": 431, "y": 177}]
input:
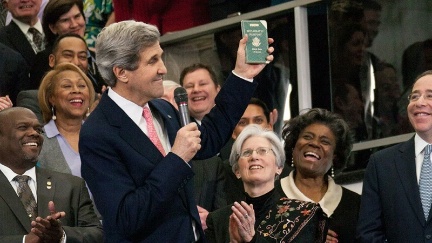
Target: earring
[
  {"x": 54, "y": 117},
  {"x": 88, "y": 112},
  {"x": 332, "y": 172},
  {"x": 292, "y": 162}
]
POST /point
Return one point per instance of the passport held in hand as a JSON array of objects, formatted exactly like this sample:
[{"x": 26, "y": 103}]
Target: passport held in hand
[{"x": 257, "y": 44}]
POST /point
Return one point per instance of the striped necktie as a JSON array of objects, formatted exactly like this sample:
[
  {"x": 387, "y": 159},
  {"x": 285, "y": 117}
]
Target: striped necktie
[
  {"x": 425, "y": 183},
  {"x": 37, "y": 38},
  {"x": 26, "y": 196}
]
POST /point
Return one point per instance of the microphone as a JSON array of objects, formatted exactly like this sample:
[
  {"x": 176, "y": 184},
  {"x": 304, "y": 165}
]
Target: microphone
[{"x": 181, "y": 98}]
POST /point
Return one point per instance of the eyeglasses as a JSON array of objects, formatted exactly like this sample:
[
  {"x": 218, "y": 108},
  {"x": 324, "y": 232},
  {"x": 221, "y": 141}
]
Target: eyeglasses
[
  {"x": 416, "y": 96},
  {"x": 260, "y": 151}
]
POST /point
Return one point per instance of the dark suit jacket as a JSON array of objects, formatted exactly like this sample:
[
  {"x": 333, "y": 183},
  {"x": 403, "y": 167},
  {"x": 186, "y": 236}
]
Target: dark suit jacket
[
  {"x": 391, "y": 208},
  {"x": 69, "y": 194},
  {"x": 12, "y": 36},
  {"x": 29, "y": 99},
  {"x": 13, "y": 72},
  {"x": 143, "y": 196},
  {"x": 209, "y": 183}
]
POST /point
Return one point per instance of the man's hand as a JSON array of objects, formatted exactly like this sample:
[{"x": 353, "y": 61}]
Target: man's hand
[
  {"x": 32, "y": 238},
  {"x": 246, "y": 70},
  {"x": 203, "y": 213},
  {"x": 5, "y": 102},
  {"x": 49, "y": 229},
  {"x": 187, "y": 142}
]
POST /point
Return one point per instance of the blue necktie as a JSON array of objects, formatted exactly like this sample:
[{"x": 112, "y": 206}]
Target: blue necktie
[{"x": 426, "y": 181}]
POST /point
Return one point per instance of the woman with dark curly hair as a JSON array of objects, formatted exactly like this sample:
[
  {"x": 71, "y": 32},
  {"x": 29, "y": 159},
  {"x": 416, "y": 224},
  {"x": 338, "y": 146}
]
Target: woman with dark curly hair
[{"x": 318, "y": 143}]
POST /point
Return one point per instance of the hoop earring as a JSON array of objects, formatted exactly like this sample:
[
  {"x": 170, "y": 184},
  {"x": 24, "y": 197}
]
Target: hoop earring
[
  {"x": 88, "y": 112},
  {"x": 54, "y": 117}
]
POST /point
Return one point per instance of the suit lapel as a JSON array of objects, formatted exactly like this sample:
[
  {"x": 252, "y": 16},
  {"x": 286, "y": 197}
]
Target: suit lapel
[
  {"x": 45, "y": 191},
  {"x": 20, "y": 42},
  {"x": 406, "y": 169},
  {"x": 129, "y": 131},
  {"x": 8, "y": 194},
  {"x": 169, "y": 116}
]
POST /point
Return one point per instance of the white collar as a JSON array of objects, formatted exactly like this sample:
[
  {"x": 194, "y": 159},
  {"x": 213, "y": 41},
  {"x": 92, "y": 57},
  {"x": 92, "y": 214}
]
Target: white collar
[
  {"x": 328, "y": 203},
  {"x": 132, "y": 110},
  {"x": 10, "y": 175},
  {"x": 25, "y": 27}
]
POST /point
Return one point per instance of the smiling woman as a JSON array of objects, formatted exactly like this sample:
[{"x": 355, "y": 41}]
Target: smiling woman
[
  {"x": 257, "y": 157},
  {"x": 65, "y": 96},
  {"x": 62, "y": 17},
  {"x": 318, "y": 143}
]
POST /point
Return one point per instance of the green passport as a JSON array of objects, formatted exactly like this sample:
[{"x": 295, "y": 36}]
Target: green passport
[{"x": 257, "y": 44}]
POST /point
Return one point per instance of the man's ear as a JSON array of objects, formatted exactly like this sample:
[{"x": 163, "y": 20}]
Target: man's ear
[
  {"x": 234, "y": 136},
  {"x": 120, "y": 74},
  {"x": 269, "y": 127},
  {"x": 273, "y": 117},
  {"x": 51, "y": 60},
  {"x": 5, "y": 4}
]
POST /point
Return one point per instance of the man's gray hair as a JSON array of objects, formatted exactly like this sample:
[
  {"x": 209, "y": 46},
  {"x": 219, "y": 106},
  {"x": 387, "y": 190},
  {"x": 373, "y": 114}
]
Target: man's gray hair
[{"x": 120, "y": 44}]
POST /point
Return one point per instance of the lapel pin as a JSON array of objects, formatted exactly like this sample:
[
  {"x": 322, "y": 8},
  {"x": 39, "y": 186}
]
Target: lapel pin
[{"x": 48, "y": 185}]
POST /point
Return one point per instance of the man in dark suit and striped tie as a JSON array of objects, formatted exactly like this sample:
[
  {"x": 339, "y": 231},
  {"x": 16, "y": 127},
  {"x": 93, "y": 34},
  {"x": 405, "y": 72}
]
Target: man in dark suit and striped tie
[
  {"x": 38, "y": 205},
  {"x": 395, "y": 205}
]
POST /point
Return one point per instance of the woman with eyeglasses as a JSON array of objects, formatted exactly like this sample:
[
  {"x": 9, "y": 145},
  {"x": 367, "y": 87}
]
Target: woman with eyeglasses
[
  {"x": 318, "y": 143},
  {"x": 257, "y": 157}
]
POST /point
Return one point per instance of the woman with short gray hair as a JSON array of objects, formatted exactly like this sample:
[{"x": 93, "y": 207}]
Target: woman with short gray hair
[{"x": 258, "y": 157}]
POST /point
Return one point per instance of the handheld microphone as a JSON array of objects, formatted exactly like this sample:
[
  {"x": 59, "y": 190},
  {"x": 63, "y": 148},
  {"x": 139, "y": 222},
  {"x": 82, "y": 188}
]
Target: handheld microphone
[{"x": 181, "y": 98}]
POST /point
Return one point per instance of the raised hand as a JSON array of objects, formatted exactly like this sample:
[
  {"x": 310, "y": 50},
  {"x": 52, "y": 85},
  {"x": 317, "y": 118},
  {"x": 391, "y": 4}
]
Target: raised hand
[
  {"x": 246, "y": 70},
  {"x": 5, "y": 102}
]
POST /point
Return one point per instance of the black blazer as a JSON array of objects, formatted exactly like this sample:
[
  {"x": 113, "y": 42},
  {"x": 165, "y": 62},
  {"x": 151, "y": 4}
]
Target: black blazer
[
  {"x": 13, "y": 37},
  {"x": 209, "y": 183},
  {"x": 13, "y": 72}
]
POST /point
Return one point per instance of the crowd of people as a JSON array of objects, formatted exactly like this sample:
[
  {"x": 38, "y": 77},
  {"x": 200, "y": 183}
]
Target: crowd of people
[{"x": 92, "y": 147}]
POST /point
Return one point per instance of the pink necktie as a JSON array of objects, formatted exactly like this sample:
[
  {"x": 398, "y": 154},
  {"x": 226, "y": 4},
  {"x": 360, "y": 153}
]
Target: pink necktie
[{"x": 151, "y": 131}]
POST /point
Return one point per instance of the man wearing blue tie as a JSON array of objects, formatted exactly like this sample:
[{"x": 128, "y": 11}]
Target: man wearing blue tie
[{"x": 396, "y": 198}]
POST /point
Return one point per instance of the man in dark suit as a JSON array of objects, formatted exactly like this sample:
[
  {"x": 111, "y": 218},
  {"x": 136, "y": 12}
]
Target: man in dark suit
[
  {"x": 391, "y": 209},
  {"x": 64, "y": 209},
  {"x": 201, "y": 84},
  {"x": 143, "y": 190},
  {"x": 13, "y": 72},
  {"x": 18, "y": 34}
]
